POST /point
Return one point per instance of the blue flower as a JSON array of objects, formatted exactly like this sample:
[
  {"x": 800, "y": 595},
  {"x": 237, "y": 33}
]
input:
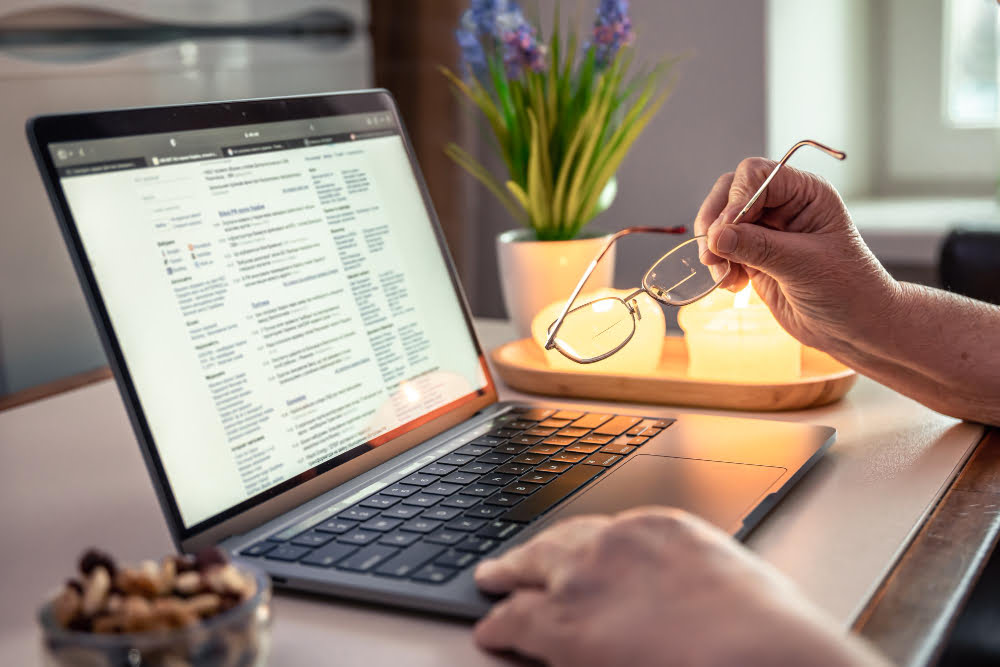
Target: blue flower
[
  {"x": 498, "y": 27},
  {"x": 612, "y": 30}
]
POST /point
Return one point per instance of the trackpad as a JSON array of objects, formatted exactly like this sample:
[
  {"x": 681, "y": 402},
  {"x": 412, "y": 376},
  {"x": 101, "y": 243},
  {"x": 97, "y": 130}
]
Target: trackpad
[{"x": 722, "y": 493}]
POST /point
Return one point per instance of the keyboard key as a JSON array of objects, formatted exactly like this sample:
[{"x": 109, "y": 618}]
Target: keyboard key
[
  {"x": 421, "y": 525},
  {"x": 260, "y": 548},
  {"x": 423, "y": 499},
  {"x": 481, "y": 490},
  {"x": 399, "y": 538},
  {"x": 638, "y": 441},
  {"x": 552, "y": 493},
  {"x": 499, "y": 530},
  {"x": 592, "y": 420},
  {"x": 357, "y": 513},
  {"x": 645, "y": 428},
  {"x": 441, "y": 513},
  {"x": 329, "y": 555},
  {"x": 554, "y": 423},
  {"x": 540, "y": 431},
  {"x": 505, "y": 433},
  {"x": 465, "y": 524},
  {"x": 566, "y": 457},
  {"x": 487, "y": 441},
  {"x": 530, "y": 459},
  {"x": 567, "y": 414},
  {"x": 521, "y": 425},
  {"x": 461, "y": 501},
  {"x": 554, "y": 468},
  {"x": 456, "y": 559},
  {"x": 381, "y": 523},
  {"x": 513, "y": 468},
  {"x": 617, "y": 425},
  {"x": 459, "y": 477},
  {"x": 521, "y": 488},
  {"x": 605, "y": 460},
  {"x": 559, "y": 441},
  {"x": 583, "y": 449},
  {"x": 442, "y": 489},
  {"x": 434, "y": 574},
  {"x": 402, "y": 512},
  {"x": 437, "y": 469},
  {"x": 287, "y": 552},
  {"x": 312, "y": 539},
  {"x": 497, "y": 479},
  {"x": 526, "y": 440},
  {"x": 596, "y": 440},
  {"x": 504, "y": 499},
  {"x": 485, "y": 512},
  {"x": 419, "y": 479},
  {"x": 534, "y": 414},
  {"x": 454, "y": 460},
  {"x": 617, "y": 449},
  {"x": 509, "y": 449},
  {"x": 573, "y": 432},
  {"x": 545, "y": 450},
  {"x": 538, "y": 477},
  {"x": 494, "y": 458},
  {"x": 662, "y": 423},
  {"x": 358, "y": 537},
  {"x": 400, "y": 490},
  {"x": 407, "y": 561},
  {"x": 365, "y": 559},
  {"x": 446, "y": 537},
  {"x": 477, "y": 545},
  {"x": 473, "y": 450},
  {"x": 477, "y": 468},
  {"x": 379, "y": 502}
]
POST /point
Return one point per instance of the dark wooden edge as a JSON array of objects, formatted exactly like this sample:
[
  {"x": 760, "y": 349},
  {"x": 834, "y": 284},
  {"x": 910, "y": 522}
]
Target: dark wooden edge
[
  {"x": 912, "y": 612},
  {"x": 52, "y": 388}
]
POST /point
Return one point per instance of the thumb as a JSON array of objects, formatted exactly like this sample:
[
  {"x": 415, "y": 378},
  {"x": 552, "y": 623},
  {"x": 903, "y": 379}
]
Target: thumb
[{"x": 779, "y": 254}]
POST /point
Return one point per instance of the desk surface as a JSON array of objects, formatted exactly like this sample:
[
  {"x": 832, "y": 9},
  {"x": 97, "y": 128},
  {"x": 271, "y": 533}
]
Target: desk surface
[{"x": 71, "y": 476}]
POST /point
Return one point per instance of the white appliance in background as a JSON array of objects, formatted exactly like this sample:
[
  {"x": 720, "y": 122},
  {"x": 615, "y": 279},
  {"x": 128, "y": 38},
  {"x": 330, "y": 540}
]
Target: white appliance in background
[{"x": 55, "y": 57}]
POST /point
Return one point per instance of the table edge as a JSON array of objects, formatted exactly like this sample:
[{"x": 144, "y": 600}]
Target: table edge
[
  {"x": 916, "y": 605},
  {"x": 60, "y": 386}
]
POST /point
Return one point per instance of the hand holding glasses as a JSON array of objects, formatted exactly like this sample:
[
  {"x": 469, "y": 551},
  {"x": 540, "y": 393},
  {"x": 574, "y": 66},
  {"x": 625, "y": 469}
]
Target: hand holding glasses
[{"x": 598, "y": 329}]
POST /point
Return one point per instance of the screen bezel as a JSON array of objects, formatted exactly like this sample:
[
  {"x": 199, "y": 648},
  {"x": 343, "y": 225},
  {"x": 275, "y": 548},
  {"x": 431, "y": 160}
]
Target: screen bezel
[{"x": 45, "y": 130}]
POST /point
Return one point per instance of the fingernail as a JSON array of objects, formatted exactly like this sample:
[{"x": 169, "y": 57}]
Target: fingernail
[{"x": 726, "y": 240}]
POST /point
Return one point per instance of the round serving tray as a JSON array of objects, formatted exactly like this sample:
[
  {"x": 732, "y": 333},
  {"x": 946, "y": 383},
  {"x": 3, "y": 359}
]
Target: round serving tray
[{"x": 824, "y": 380}]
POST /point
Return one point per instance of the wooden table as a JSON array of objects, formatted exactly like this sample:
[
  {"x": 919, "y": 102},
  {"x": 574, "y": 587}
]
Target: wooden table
[{"x": 854, "y": 534}]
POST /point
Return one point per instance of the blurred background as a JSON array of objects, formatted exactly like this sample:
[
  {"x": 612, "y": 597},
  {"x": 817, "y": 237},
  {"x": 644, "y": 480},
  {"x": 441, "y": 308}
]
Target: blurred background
[{"x": 907, "y": 87}]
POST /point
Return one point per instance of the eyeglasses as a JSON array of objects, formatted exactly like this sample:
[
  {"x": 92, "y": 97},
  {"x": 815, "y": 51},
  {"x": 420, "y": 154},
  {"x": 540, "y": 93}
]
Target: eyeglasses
[{"x": 600, "y": 328}]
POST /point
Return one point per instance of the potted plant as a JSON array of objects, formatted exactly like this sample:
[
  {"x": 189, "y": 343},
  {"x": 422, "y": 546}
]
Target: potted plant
[{"x": 563, "y": 114}]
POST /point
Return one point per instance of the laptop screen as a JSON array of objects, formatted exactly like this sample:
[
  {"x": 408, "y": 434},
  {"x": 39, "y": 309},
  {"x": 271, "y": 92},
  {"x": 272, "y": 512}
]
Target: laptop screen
[{"x": 278, "y": 293}]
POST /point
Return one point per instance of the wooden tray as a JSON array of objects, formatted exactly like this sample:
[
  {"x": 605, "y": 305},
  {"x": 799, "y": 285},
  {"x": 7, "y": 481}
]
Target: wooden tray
[{"x": 824, "y": 380}]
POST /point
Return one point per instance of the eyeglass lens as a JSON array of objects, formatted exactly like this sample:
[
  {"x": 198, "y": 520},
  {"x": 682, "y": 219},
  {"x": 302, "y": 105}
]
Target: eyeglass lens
[
  {"x": 595, "y": 329},
  {"x": 680, "y": 276}
]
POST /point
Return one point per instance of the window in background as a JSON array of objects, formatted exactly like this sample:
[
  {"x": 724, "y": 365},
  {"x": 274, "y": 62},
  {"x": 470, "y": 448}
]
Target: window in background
[{"x": 970, "y": 63}]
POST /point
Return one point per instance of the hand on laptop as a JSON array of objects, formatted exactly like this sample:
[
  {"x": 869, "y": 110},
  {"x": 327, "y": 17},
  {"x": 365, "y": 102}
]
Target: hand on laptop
[{"x": 648, "y": 587}]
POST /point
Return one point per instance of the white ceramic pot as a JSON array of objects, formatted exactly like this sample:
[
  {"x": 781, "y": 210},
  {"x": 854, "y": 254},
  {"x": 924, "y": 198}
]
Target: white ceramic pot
[{"x": 535, "y": 273}]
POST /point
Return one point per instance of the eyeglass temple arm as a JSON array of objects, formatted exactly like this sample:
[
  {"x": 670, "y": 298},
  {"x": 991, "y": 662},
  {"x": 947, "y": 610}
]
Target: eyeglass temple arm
[
  {"x": 840, "y": 155},
  {"x": 550, "y": 341}
]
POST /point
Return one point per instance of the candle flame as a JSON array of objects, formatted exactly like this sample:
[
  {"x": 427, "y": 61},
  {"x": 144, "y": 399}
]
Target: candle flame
[{"x": 742, "y": 298}]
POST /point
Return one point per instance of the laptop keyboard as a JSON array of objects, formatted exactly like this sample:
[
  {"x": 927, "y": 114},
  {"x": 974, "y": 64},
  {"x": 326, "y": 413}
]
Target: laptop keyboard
[{"x": 443, "y": 518}]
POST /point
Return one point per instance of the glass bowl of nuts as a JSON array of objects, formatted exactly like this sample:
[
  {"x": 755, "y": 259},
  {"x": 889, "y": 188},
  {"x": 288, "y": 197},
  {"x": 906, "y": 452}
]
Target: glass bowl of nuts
[{"x": 184, "y": 610}]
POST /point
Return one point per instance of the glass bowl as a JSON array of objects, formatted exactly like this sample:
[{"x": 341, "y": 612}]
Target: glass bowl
[{"x": 239, "y": 636}]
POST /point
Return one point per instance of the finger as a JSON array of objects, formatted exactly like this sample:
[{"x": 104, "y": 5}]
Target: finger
[
  {"x": 783, "y": 255},
  {"x": 533, "y": 563},
  {"x": 521, "y": 623},
  {"x": 716, "y": 200},
  {"x": 786, "y": 188}
]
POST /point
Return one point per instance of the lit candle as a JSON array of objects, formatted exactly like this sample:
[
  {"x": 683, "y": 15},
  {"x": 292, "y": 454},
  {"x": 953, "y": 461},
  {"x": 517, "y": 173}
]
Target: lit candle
[
  {"x": 640, "y": 356},
  {"x": 735, "y": 338}
]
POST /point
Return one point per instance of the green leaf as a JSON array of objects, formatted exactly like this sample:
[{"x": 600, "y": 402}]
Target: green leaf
[{"x": 481, "y": 174}]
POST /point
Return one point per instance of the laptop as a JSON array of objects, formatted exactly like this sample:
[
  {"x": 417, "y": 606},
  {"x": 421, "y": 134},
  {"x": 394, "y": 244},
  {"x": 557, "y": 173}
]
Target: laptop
[{"x": 301, "y": 369}]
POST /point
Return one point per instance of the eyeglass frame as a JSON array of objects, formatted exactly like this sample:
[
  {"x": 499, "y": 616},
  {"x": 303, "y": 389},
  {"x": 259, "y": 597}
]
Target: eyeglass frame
[{"x": 550, "y": 342}]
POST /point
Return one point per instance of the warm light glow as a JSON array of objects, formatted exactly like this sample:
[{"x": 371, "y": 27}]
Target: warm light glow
[
  {"x": 411, "y": 393},
  {"x": 734, "y": 338},
  {"x": 742, "y": 298},
  {"x": 641, "y": 356}
]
